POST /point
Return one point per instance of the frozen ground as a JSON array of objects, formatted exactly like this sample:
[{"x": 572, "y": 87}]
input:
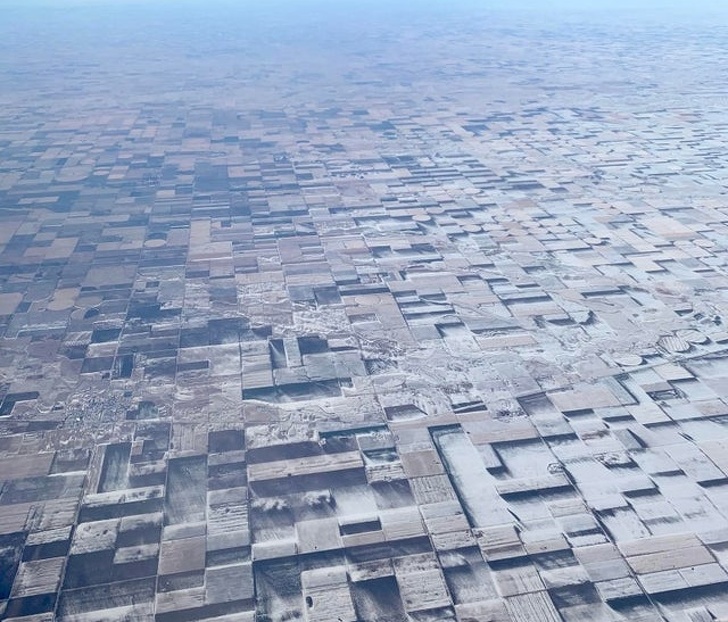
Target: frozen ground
[{"x": 362, "y": 313}]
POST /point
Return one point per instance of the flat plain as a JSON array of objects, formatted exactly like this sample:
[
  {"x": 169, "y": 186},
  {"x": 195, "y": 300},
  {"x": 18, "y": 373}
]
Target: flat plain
[{"x": 362, "y": 313}]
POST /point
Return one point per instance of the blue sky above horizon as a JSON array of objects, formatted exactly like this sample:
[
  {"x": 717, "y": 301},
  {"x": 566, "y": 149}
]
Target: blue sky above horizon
[
  {"x": 538, "y": 5},
  {"x": 652, "y": 10}
]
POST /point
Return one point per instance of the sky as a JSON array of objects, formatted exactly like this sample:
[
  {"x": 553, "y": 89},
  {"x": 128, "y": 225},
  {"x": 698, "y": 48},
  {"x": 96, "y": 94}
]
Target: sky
[
  {"x": 537, "y": 5},
  {"x": 653, "y": 9}
]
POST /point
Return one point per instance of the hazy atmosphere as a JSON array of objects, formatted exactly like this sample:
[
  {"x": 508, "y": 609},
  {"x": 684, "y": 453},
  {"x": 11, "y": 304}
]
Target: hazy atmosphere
[{"x": 329, "y": 311}]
